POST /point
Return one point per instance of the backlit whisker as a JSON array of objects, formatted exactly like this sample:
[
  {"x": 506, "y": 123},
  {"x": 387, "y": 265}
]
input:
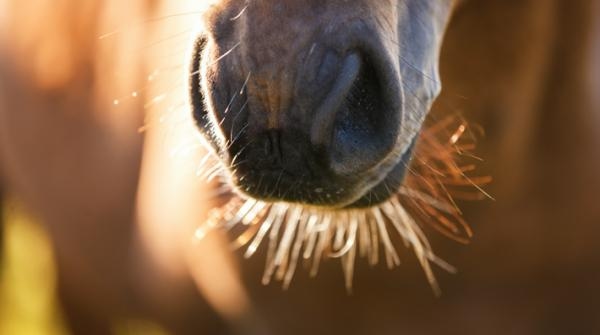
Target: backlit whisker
[
  {"x": 350, "y": 240},
  {"x": 264, "y": 228},
  {"x": 311, "y": 235},
  {"x": 227, "y": 53},
  {"x": 295, "y": 232},
  {"x": 322, "y": 244},
  {"x": 288, "y": 235},
  {"x": 295, "y": 251},
  {"x": 270, "y": 267}
]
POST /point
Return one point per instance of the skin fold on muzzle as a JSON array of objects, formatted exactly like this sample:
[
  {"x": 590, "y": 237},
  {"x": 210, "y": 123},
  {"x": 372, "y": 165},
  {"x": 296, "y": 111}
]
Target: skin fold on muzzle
[{"x": 317, "y": 102}]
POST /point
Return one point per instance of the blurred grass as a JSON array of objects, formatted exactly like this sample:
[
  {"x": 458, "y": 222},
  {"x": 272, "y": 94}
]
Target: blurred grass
[{"x": 28, "y": 301}]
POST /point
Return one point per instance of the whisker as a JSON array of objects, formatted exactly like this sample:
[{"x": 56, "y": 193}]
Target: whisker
[
  {"x": 297, "y": 232},
  {"x": 239, "y": 14},
  {"x": 227, "y": 53},
  {"x": 147, "y": 21}
]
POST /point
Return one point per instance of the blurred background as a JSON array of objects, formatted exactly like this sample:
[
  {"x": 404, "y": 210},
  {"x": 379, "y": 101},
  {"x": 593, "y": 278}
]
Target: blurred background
[
  {"x": 100, "y": 195},
  {"x": 86, "y": 90}
]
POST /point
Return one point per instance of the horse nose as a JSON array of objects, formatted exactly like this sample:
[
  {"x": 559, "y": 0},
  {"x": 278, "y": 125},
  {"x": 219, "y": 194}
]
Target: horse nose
[{"x": 352, "y": 124}]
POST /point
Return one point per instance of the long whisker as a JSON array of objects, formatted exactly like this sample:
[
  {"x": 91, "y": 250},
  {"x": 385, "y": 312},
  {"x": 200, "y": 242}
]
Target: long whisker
[{"x": 313, "y": 234}]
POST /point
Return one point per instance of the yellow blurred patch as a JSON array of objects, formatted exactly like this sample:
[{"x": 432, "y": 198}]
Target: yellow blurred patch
[
  {"x": 138, "y": 327},
  {"x": 28, "y": 301},
  {"x": 27, "y": 286}
]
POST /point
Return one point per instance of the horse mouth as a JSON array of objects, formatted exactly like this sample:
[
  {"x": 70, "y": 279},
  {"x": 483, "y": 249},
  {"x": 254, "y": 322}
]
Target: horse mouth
[
  {"x": 290, "y": 193},
  {"x": 315, "y": 141},
  {"x": 384, "y": 214}
]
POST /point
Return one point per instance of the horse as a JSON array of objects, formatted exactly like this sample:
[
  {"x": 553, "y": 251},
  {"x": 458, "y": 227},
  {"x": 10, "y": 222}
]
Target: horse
[
  {"x": 334, "y": 94},
  {"x": 319, "y": 105}
]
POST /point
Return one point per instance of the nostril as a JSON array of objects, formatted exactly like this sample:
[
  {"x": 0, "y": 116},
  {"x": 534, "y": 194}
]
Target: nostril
[
  {"x": 365, "y": 129},
  {"x": 354, "y": 125},
  {"x": 325, "y": 115}
]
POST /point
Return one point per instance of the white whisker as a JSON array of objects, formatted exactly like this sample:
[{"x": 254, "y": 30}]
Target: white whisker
[
  {"x": 296, "y": 251},
  {"x": 313, "y": 234},
  {"x": 264, "y": 228},
  {"x": 227, "y": 53},
  {"x": 350, "y": 240},
  {"x": 270, "y": 267}
]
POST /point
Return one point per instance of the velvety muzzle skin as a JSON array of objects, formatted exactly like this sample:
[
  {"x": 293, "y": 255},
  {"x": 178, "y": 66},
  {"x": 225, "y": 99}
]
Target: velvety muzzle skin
[{"x": 318, "y": 102}]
